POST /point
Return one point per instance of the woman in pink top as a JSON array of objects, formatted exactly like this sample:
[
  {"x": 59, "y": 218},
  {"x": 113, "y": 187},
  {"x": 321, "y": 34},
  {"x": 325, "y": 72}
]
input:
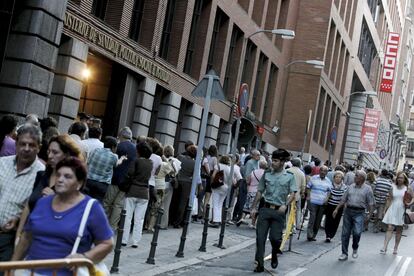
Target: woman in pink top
[
  {"x": 8, "y": 125},
  {"x": 252, "y": 189}
]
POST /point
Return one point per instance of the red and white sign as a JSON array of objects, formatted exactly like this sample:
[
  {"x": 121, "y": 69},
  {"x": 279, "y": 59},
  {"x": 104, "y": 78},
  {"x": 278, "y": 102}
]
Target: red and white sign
[
  {"x": 369, "y": 135},
  {"x": 390, "y": 62}
]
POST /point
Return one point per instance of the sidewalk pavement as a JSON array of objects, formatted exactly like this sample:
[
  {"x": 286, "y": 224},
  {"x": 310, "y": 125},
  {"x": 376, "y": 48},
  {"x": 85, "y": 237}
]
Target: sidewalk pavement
[{"x": 133, "y": 260}]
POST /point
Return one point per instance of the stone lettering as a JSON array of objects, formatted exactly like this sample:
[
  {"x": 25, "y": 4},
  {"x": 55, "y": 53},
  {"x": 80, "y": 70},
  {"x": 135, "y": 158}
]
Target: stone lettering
[{"x": 113, "y": 46}]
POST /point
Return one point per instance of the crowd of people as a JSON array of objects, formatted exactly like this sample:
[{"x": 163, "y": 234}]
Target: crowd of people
[{"x": 48, "y": 178}]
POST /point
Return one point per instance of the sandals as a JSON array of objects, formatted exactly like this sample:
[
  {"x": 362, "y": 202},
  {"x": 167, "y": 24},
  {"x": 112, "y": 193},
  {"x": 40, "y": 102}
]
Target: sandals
[{"x": 383, "y": 251}]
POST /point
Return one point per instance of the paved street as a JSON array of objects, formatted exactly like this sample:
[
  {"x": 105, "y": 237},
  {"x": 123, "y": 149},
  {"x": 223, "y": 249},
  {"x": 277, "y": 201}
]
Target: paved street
[{"x": 316, "y": 258}]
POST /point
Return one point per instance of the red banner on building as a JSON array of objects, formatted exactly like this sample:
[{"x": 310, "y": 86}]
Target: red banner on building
[
  {"x": 369, "y": 134},
  {"x": 390, "y": 62}
]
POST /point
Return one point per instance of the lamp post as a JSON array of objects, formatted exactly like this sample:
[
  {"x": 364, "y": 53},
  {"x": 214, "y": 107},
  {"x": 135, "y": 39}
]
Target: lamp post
[{"x": 286, "y": 34}]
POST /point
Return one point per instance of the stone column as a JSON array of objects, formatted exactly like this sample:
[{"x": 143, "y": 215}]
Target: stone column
[
  {"x": 190, "y": 126},
  {"x": 353, "y": 135},
  {"x": 67, "y": 83},
  {"x": 166, "y": 126},
  {"x": 225, "y": 139},
  {"x": 213, "y": 124},
  {"x": 143, "y": 107},
  {"x": 27, "y": 76}
]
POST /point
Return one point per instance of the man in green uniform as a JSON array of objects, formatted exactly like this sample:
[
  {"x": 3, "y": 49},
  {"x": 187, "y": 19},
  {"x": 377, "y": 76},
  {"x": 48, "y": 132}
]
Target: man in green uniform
[{"x": 278, "y": 187}]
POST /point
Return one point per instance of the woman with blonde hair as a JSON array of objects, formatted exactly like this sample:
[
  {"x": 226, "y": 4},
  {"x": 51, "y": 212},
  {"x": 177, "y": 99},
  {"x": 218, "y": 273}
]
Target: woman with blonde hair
[
  {"x": 337, "y": 192},
  {"x": 395, "y": 208}
]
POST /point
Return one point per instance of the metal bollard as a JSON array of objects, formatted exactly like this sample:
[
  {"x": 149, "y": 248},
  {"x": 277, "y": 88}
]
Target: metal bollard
[
  {"x": 223, "y": 228},
  {"x": 117, "y": 250},
  {"x": 180, "y": 252},
  {"x": 205, "y": 229},
  {"x": 154, "y": 241}
]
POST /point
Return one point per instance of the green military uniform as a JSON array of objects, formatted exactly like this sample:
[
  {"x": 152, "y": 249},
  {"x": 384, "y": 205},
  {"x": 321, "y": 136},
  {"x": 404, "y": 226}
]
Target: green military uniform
[{"x": 275, "y": 188}]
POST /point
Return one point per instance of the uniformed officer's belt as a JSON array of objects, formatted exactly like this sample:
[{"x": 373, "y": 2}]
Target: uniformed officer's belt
[{"x": 271, "y": 206}]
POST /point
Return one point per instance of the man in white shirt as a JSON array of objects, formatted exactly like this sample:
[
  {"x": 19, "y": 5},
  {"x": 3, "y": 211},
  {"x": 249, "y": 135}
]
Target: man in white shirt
[
  {"x": 93, "y": 142},
  {"x": 18, "y": 173}
]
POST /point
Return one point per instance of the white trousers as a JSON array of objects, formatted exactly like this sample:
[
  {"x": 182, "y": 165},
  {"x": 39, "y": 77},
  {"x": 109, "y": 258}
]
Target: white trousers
[
  {"x": 137, "y": 207},
  {"x": 218, "y": 195}
]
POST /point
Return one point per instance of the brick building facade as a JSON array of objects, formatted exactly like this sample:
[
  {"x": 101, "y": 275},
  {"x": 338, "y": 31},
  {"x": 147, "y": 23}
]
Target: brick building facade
[{"x": 146, "y": 56}]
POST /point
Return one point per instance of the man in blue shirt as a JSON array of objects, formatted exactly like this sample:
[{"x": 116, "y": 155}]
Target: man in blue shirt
[{"x": 319, "y": 189}]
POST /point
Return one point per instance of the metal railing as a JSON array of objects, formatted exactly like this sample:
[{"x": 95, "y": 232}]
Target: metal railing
[{"x": 55, "y": 264}]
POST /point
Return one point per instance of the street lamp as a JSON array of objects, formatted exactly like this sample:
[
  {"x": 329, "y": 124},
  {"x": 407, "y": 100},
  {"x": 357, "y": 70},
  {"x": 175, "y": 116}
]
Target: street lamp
[
  {"x": 286, "y": 34},
  {"x": 316, "y": 63},
  {"x": 366, "y": 93}
]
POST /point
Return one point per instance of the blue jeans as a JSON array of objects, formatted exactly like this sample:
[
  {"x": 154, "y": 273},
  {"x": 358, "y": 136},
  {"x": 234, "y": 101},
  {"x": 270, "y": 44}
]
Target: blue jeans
[{"x": 353, "y": 223}]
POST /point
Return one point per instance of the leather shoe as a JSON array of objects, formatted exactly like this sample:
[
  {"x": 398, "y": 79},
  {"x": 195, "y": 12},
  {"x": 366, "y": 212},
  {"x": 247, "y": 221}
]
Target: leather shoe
[
  {"x": 274, "y": 262},
  {"x": 259, "y": 268}
]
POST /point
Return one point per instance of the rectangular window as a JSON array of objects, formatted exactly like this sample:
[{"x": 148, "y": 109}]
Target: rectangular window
[
  {"x": 319, "y": 114},
  {"x": 189, "y": 58},
  {"x": 218, "y": 40},
  {"x": 249, "y": 59},
  {"x": 166, "y": 31},
  {"x": 259, "y": 84},
  {"x": 326, "y": 113},
  {"x": 367, "y": 50},
  {"x": 137, "y": 12},
  {"x": 270, "y": 93},
  {"x": 233, "y": 62},
  {"x": 99, "y": 8}
]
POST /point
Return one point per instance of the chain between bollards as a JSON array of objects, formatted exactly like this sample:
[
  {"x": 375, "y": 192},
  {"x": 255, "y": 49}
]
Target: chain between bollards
[
  {"x": 117, "y": 250},
  {"x": 180, "y": 252},
  {"x": 223, "y": 228},
  {"x": 154, "y": 241},
  {"x": 205, "y": 229}
]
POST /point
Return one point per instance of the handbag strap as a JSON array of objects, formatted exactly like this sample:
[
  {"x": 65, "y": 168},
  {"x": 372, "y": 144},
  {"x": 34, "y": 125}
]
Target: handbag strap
[{"x": 82, "y": 225}]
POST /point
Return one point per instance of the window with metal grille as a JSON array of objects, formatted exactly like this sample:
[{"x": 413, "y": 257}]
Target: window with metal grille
[
  {"x": 99, "y": 8},
  {"x": 137, "y": 12},
  {"x": 166, "y": 32},
  {"x": 198, "y": 6}
]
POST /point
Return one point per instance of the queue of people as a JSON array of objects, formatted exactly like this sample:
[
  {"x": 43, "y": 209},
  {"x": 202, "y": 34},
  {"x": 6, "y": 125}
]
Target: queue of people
[{"x": 55, "y": 176}]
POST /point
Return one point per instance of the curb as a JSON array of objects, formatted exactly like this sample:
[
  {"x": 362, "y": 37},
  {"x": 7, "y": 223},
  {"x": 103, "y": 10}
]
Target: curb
[{"x": 196, "y": 260}]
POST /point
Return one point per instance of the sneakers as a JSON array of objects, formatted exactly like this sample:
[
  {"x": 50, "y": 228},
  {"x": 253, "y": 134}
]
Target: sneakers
[
  {"x": 343, "y": 257},
  {"x": 355, "y": 254}
]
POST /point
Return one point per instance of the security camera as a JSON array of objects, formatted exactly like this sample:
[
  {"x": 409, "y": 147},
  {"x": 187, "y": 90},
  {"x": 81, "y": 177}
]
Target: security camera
[{"x": 275, "y": 129}]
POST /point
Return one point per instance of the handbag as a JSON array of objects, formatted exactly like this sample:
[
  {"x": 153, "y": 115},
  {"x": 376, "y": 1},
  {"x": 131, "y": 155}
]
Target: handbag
[
  {"x": 407, "y": 198},
  {"x": 100, "y": 268},
  {"x": 218, "y": 179},
  {"x": 408, "y": 217}
]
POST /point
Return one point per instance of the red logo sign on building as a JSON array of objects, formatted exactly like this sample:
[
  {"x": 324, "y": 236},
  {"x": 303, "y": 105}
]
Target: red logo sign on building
[
  {"x": 369, "y": 134},
  {"x": 390, "y": 62}
]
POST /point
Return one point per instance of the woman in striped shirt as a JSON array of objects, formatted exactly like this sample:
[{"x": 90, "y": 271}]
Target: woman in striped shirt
[{"x": 337, "y": 192}]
